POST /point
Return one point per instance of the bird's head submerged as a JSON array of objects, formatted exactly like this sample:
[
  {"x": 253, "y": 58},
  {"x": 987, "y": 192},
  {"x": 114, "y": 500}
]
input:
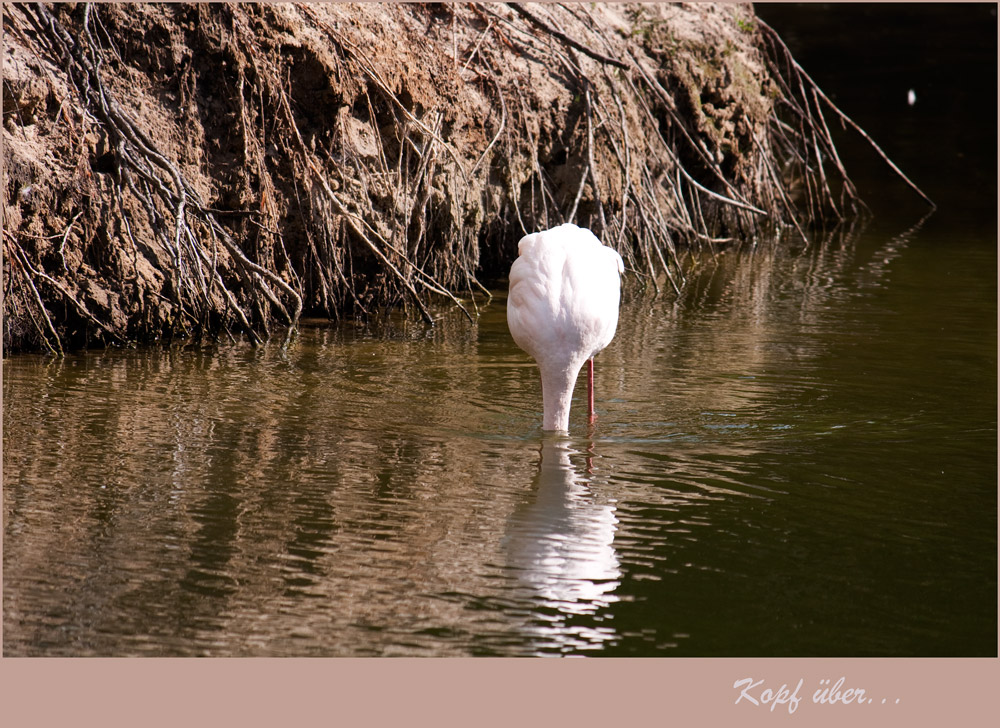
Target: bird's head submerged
[{"x": 562, "y": 307}]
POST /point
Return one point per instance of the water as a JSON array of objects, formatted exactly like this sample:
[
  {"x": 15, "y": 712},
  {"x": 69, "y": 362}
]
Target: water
[{"x": 796, "y": 457}]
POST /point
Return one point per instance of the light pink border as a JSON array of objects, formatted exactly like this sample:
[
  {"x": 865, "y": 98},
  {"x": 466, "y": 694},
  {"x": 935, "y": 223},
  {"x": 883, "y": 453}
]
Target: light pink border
[{"x": 483, "y": 692}]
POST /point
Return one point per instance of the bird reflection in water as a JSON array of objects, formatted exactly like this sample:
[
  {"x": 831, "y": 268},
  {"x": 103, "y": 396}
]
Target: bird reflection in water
[{"x": 560, "y": 544}]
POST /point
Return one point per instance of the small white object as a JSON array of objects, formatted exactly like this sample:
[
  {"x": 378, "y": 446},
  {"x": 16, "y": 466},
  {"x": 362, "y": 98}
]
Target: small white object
[{"x": 911, "y": 97}]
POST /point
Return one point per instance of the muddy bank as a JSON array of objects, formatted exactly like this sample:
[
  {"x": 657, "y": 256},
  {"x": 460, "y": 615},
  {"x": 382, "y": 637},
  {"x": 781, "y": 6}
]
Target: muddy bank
[{"x": 197, "y": 170}]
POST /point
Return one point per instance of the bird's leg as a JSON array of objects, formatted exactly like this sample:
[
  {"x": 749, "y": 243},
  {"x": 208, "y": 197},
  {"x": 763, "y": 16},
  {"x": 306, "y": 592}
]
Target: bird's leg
[{"x": 590, "y": 390}]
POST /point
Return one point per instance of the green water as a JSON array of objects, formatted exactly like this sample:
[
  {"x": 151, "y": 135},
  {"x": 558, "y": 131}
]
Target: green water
[{"x": 796, "y": 457}]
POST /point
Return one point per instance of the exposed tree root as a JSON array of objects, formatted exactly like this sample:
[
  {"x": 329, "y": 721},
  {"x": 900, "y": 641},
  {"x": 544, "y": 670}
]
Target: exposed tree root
[{"x": 228, "y": 168}]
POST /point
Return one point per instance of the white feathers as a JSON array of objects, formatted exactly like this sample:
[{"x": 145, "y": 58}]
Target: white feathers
[{"x": 562, "y": 308}]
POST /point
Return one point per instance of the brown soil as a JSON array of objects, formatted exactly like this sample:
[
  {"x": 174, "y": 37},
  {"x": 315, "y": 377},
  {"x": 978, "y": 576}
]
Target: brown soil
[{"x": 177, "y": 170}]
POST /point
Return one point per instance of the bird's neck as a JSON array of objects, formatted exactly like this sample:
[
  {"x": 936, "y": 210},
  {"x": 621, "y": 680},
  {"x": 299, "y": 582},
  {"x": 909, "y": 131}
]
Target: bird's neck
[{"x": 557, "y": 393}]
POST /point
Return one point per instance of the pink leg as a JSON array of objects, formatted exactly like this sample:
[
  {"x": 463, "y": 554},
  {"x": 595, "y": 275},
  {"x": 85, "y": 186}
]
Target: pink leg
[{"x": 590, "y": 389}]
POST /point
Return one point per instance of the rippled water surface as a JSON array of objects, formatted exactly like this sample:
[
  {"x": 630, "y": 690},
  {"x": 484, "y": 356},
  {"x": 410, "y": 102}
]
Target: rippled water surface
[{"x": 795, "y": 457}]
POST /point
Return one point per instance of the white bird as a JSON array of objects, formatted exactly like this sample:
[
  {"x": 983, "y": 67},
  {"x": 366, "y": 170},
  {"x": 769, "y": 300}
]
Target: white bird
[{"x": 562, "y": 309}]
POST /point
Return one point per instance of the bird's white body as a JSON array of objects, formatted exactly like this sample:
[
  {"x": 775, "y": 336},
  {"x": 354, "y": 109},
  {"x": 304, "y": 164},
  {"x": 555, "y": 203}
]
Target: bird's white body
[{"x": 562, "y": 309}]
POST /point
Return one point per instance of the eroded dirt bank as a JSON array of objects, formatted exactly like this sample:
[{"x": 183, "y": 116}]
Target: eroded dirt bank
[{"x": 176, "y": 170}]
